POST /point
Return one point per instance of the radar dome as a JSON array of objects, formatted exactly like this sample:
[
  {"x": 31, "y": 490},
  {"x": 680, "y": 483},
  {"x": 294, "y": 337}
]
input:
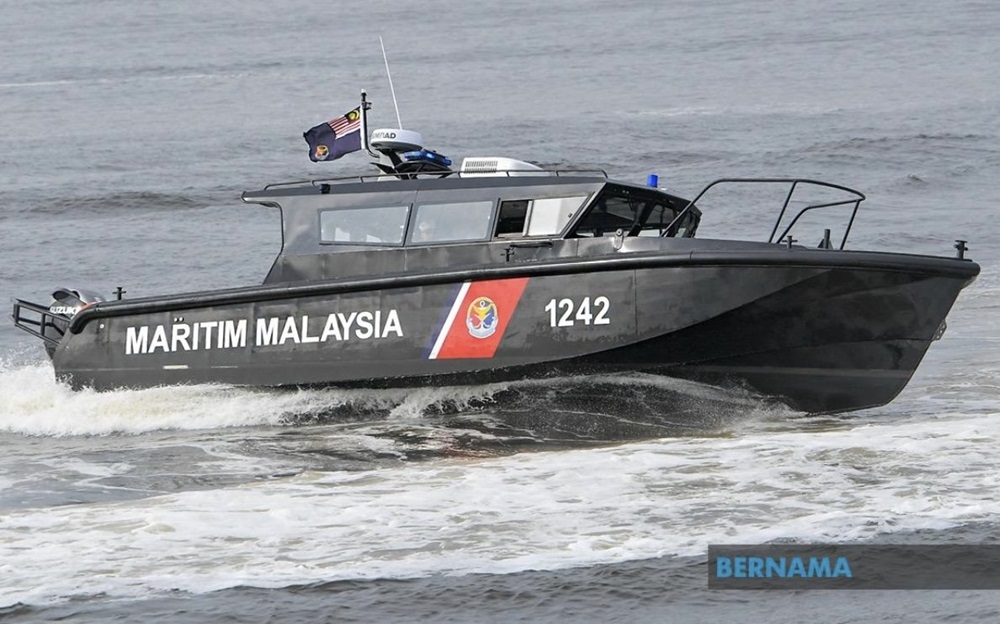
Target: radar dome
[{"x": 396, "y": 140}]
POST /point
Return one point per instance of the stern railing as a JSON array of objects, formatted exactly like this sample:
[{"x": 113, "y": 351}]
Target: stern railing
[{"x": 45, "y": 324}]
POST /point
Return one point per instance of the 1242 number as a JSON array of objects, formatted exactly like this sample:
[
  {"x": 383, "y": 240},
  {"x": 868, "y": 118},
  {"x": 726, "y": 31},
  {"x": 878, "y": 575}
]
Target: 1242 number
[{"x": 567, "y": 313}]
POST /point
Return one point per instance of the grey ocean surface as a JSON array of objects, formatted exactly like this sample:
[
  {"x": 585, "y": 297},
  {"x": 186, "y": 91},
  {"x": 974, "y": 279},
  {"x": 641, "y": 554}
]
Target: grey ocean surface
[{"x": 128, "y": 132}]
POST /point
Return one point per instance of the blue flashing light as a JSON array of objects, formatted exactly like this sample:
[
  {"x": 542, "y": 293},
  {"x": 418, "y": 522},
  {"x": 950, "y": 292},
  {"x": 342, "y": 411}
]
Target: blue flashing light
[
  {"x": 427, "y": 156},
  {"x": 653, "y": 180}
]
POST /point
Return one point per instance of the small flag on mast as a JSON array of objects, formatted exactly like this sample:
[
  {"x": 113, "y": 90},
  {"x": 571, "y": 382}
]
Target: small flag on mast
[{"x": 332, "y": 139}]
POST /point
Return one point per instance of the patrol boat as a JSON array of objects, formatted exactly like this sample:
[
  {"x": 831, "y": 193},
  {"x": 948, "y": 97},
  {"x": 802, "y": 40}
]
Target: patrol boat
[{"x": 501, "y": 270}]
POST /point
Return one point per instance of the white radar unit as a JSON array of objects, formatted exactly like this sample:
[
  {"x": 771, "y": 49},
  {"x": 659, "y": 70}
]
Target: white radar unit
[{"x": 396, "y": 140}]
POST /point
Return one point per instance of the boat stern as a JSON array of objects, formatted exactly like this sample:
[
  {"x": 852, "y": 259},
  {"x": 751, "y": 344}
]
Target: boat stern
[{"x": 51, "y": 322}]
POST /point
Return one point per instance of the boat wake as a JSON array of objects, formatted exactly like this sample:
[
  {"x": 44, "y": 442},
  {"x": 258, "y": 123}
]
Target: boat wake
[
  {"x": 528, "y": 511},
  {"x": 565, "y": 410}
]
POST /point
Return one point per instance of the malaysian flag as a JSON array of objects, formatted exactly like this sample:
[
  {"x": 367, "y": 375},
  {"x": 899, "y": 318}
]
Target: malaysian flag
[{"x": 332, "y": 139}]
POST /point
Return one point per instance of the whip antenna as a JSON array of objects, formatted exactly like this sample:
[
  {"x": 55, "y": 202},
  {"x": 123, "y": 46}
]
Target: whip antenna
[{"x": 391, "y": 88}]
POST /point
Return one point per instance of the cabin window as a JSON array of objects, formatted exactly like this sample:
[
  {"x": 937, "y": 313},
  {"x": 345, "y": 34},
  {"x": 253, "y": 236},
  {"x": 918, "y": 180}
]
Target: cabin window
[
  {"x": 383, "y": 225},
  {"x": 659, "y": 217},
  {"x": 513, "y": 215},
  {"x": 548, "y": 217},
  {"x": 687, "y": 226},
  {"x": 448, "y": 223},
  {"x": 633, "y": 213}
]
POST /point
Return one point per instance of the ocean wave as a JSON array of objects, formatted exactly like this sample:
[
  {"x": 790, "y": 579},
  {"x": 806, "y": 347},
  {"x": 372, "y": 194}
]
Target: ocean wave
[
  {"x": 530, "y": 511},
  {"x": 594, "y": 408},
  {"x": 133, "y": 201},
  {"x": 155, "y": 73},
  {"x": 913, "y": 146}
]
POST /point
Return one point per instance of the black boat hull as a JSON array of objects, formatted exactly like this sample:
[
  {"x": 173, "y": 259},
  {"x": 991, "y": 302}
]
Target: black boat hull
[{"x": 822, "y": 331}]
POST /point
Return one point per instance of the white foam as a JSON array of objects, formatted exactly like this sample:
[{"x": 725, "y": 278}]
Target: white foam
[
  {"x": 529, "y": 511},
  {"x": 33, "y": 403},
  {"x": 765, "y": 480}
]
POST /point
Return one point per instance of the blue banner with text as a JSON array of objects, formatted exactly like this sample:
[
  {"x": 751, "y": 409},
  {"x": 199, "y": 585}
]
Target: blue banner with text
[{"x": 840, "y": 566}]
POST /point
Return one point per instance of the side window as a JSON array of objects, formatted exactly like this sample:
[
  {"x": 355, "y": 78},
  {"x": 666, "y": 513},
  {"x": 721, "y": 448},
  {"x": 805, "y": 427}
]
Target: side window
[
  {"x": 655, "y": 215},
  {"x": 659, "y": 217},
  {"x": 363, "y": 226},
  {"x": 513, "y": 215},
  {"x": 443, "y": 223},
  {"x": 688, "y": 225},
  {"x": 547, "y": 217}
]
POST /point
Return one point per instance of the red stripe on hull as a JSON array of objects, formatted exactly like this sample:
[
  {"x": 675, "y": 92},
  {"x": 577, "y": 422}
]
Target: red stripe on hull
[{"x": 482, "y": 319}]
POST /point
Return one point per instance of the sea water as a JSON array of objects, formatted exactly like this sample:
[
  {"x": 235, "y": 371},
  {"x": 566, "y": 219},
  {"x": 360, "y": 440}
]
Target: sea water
[{"x": 128, "y": 132}]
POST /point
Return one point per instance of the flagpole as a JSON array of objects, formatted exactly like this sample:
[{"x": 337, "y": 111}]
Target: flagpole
[{"x": 365, "y": 105}]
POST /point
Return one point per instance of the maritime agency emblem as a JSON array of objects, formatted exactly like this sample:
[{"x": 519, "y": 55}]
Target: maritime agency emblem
[
  {"x": 322, "y": 152},
  {"x": 482, "y": 318}
]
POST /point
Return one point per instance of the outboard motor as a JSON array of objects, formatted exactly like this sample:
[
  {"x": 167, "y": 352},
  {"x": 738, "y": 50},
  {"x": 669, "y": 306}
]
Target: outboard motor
[{"x": 68, "y": 301}]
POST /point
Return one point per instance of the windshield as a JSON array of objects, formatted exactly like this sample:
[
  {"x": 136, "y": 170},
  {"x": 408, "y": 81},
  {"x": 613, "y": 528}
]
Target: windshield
[{"x": 636, "y": 213}]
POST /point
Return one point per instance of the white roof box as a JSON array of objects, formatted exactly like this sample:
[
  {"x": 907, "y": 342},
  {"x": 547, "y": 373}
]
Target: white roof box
[
  {"x": 396, "y": 140},
  {"x": 498, "y": 166}
]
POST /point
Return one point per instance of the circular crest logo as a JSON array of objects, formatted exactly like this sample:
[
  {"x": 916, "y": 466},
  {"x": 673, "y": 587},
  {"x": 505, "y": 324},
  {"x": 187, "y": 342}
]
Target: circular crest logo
[
  {"x": 482, "y": 318},
  {"x": 322, "y": 152}
]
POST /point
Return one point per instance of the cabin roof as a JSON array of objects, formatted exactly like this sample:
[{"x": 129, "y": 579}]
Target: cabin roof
[{"x": 455, "y": 180}]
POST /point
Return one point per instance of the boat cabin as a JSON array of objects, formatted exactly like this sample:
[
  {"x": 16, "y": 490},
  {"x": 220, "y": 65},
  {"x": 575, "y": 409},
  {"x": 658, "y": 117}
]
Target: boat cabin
[{"x": 463, "y": 216}]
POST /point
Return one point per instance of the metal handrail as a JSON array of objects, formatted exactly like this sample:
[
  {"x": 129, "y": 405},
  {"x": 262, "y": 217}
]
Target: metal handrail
[
  {"x": 437, "y": 174},
  {"x": 37, "y": 327},
  {"x": 793, "y": 186}
]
